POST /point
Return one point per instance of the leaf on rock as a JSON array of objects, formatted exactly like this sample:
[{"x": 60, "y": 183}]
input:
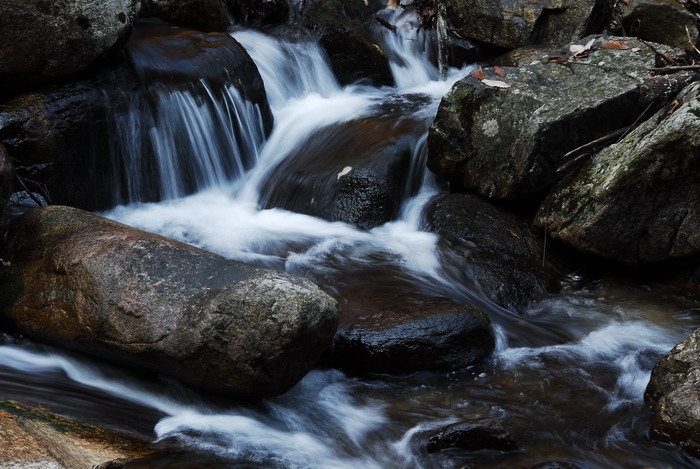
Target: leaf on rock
[
  {"x": 616, "y": 45},
  {"x": 559, "y": 60},
  {"x": 478, "y": 74},
  {"x": 513, "y": 233},
  {"x": 496, "y": 83},
  {"x": 578, "y": 50},
  {"x": 499, "y": 71}
]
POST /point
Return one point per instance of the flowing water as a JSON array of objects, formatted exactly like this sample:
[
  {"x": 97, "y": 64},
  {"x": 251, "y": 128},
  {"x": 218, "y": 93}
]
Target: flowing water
[{"x": 568, "y": 374}]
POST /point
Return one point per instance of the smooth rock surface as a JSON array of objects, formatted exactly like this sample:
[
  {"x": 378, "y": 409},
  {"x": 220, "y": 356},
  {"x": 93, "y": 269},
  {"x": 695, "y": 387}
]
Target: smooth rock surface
[
  {"x": 420, "y": 333},
  {"x": 42, "y": 41},
  {"x": 662, "y": 21},
  {"x": 202, "y": 15},
  {"x": 638, "y": 200},
  {"x": 92, "y": 285},
  {"x": 473, "y": 435},
  {"x": 674, "y": 396},
  {"x": 506, "y": 141}
]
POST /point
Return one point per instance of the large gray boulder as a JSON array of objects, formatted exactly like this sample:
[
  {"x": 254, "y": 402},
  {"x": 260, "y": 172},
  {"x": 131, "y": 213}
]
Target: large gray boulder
[
  {"x": 202, "y": 15},
  {"x": 662, "y": 21},
  {"x": 86, "y": 283},
  {"x": 505, "y": 137},
  {"x": 673, "y": 394},
  {"x": 43, "y": 41},
  {"x": 516, "y": 23},
  {"x": 638, "y": 200}
]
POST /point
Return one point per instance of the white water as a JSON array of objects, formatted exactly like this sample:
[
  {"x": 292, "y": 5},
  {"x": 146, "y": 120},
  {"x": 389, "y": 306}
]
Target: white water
[{"x": 330, "y": 420}]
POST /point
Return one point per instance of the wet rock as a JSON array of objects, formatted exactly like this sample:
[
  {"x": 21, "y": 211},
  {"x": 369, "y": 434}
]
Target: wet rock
[
  {"x": 7, "y": 177},
  {"x": 494, "y": 248},
  {"x": 473, "y": 435},
  {"x": 638, "y": 200},
  {"x": 259, "y": 11},
  {"x": 79, "y": 144},
  {"x": 86, "y": 283},
  {"x": 419, "y": 333},
  {"x": 662, "y": 21},
  {"x": 673, "y": 394},
  {"x": 555, "y": 465},
  {"x": 516, "y": 23},
  {"x": 41, "y": 41},
  {"x": 354, "y": 172},
  {"x": 345, "y": 32},
  {"x": 506, "y": 141},
  {"x": 202, "y": 15}
]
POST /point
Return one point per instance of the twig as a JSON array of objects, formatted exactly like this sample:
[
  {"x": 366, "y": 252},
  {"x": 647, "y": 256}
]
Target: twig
[
  {"x": 386, "y": 24},
  {"x": 690, "y": 41},
  {"x": 674, "y": 68},
  {"x": 580, "y": 152}
]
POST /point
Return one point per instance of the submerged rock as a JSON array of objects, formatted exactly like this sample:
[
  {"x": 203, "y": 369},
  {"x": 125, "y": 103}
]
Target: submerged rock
[
  {"x": 203, "y": 15},
  {"x": 674, "y": 396},
  {"x": 355, "y": 172},
  {"x": 473, "y": 435},
  {"x": 494, "y": 248},
  {"x": 41, "y": 41},
  {"x": 516, "y": 23},
  {"x": 638, "y": 200},
  {"x": 345, "y": 32},
  {"x": 96, "y": 286},
  {"x": 504, "y": 137},
  {"x": 420, "y": 333}
]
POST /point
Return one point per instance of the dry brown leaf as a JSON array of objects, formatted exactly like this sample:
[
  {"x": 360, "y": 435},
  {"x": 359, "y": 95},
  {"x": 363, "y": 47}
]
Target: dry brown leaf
[
  {"x": 478, "y": 74},
  {"x": 674, "y": 106},
  {"x": 617, "y": 45},
  {"x": 499, "y": 71}
]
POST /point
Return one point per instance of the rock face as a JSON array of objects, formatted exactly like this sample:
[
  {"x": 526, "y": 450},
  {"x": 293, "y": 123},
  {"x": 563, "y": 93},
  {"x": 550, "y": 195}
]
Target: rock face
[
  {"x": 202, "y": 15},
  {"x": 343, "y": 27},
  {"x": 99, "y": 287},
  {"x": 259, "y": 11},
  {"x": 42, "y": 41},
  {"x": 507, "y": 142},
  {"x": 7, "y": 177},
  {"x": 353, "y": 172},
  {"x": 473, "y": 435},
  {"x": 494, "y": 248},
  {"x": 674, "y": 396},
  {"x": 639, "y": 200},
  {"x": 662, "y": 21},
  {"x": 83, "y": 144},
  {"x": 423, "y": 333},
  {"x": 516, "y": 23}
]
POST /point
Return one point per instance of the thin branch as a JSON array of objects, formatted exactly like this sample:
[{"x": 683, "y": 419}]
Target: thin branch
[{"x": 674, "y": 68}]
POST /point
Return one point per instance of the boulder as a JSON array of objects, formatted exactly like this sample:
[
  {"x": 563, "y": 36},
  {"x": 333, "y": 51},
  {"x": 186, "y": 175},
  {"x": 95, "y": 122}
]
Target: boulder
[
  {"x": 505, "y": 137},
  {"x": 41, "y": 41},
  {"x": 662, "y": 21},
  {"x": 345, "y": 32},
  {"x": 473, "y": 435},
  {"x": 89, "y": 284},
  {"x": 515, "y": 23},
  {"x": 354, "y": 172},
  {"x": 673, "y": 394},
  {"x": 202, "y": 15},
  {"x": 95, "y": 143},
  {"x": 495, "y": 248},
  {"x": 418, "y": 333},
  {"x": 638, "y": 200},
  {"x": 259, "y": 11}
]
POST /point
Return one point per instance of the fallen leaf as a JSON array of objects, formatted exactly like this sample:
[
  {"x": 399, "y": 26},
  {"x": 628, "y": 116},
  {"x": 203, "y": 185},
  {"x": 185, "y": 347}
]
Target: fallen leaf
[
  {"x": 674, "y": 106},
  {"x": 578, "y": 49},
  {"x": 513, "y": 233},
  {"x": 478, "y": 74},
  {"x": 499, "y": 71},
  {"x": 616, "y": 45},
  {"x": 496, "y": 83},
  {"x": 559, "y": 60}
]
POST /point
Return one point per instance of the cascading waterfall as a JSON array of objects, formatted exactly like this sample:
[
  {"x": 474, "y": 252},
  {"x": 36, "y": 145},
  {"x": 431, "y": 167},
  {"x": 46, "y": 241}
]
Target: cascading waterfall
[{"x": 568, "y": 375}]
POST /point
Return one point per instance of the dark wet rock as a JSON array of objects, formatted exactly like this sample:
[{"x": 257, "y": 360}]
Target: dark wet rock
[
  {"x": 673, "y": 394},
  {"x": 355, "y": 172},
  {"x": 89, "y": 284},
  {"x": 202, "y": 15},
  {"x": 507, "y": 142},
  {"x": 638, "y": 200},
  {"x": 345, "y": 29},
  {"x": 41, "y": 41},
  {"x": 417, "y": 333},
  {"x": 7, "y": 177},
  {"x": 259, "y": 11},
  {"x": 555, "y": 465},
  {"x": 473, "y": 435},
  {"x": 495, "y": 248},
  {"x": 67, "y": 141},
  {"x": 662, "y": 21},
  {"x": 516, "y": 23}
]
